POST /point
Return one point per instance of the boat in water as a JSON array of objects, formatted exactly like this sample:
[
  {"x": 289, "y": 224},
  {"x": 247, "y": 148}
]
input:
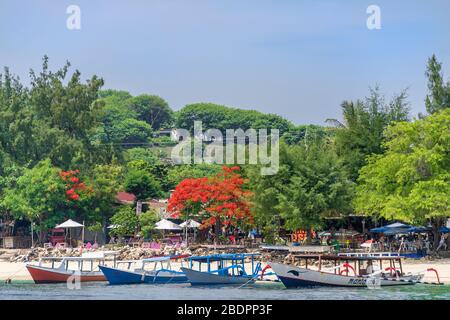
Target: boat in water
[
  {"x": 154, "y": 270},
  {"x": 85, "y": 268},
  {"x": 364, "y": 270},
  {"x": 222, "y": 269}
]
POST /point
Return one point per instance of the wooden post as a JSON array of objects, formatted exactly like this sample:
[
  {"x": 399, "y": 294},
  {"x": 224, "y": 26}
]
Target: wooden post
[
  {"x": 320, "y": 262},
  {"x": 82, "y": 236}
]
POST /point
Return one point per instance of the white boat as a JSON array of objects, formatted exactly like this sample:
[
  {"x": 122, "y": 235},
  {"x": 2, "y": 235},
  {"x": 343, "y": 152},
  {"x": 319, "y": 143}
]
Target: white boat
[{"x": 348, "y": 271}]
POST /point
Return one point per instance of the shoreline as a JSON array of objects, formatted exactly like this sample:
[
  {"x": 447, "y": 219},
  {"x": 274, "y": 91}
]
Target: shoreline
[{"x": 17, "y": 272}]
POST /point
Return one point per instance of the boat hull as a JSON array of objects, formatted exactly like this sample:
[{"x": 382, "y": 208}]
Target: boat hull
[
  {"x": 295, "y": 277},
  {"x": 205, "y": 278},
  {"x": 48, "y": 275},
  {"x": 117, "y": 276}
]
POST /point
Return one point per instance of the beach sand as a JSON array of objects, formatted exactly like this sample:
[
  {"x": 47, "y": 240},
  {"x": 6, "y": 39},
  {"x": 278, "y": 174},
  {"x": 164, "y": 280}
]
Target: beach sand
[{"x": 16, "y": 271}]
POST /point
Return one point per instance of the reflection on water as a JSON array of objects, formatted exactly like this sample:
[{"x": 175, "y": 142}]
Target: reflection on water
[{"x": 270, "y": 291}]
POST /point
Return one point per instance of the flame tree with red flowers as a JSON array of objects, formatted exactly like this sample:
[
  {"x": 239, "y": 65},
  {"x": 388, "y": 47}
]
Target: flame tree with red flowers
[
  {"x": 79, "y": 197},
  {"x": 218, "y": 201}
]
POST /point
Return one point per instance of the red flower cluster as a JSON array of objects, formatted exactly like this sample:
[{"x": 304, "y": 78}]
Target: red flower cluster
[
  {"x": 74, "y": 186},
  {"x": 220, "y": 198}
]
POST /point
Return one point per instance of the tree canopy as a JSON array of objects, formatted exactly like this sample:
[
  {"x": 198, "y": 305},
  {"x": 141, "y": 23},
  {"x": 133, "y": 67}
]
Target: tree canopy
[{"x": 411, "y": 180}]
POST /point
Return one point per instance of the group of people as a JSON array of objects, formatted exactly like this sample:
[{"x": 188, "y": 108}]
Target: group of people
[{"x": 421, "y": 243}]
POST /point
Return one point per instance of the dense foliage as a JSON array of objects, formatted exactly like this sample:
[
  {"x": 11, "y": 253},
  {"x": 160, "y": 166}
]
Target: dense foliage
[{"x": 67, "y": 148}]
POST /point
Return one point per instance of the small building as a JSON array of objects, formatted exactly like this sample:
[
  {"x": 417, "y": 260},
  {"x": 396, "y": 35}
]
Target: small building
[{"x": 15, "y": 234}]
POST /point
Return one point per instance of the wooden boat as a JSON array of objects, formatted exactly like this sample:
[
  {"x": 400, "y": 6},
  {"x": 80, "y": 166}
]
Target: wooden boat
[
  {"x": 348, "y": 271},
  {"x": 65, "y": 271},
  {"x": 160, "y": 271},
  {"x": 230, "y": 269}
]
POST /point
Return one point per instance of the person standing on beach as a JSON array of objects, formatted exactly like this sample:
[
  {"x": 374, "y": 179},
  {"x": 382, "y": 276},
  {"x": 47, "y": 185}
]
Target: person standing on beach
[{"x": 442, "y": 243}]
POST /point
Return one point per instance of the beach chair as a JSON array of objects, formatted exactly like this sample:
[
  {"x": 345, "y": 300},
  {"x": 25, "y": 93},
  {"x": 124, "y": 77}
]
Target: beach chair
[{"x": 61, "y": 245}]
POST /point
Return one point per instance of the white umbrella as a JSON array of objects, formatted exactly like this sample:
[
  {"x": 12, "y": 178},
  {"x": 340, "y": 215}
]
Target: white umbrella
[
  {"x": 167, "y": 225},
  {"x": 190, "y": 224},
  {"x": 71, "y": 224},
  {"x": 113, "y": 226}
]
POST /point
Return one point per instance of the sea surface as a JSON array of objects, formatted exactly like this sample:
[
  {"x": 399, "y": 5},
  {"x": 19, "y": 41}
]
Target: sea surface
[{"x": 268, "y": 291}]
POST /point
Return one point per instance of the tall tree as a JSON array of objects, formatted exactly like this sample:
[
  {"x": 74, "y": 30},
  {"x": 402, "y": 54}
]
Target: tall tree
[
  {"x": 38, "y": 195},
  {"x": 361, "y": 134},
  {"x": 219, "y": 201},
  {"x": 411, "y": 180},
  {"x": 309, "y": 186},
  {"x": 153, "y": 110},
  {"x": 142, "y": 184},
  {"x": 439, "y": 91}
]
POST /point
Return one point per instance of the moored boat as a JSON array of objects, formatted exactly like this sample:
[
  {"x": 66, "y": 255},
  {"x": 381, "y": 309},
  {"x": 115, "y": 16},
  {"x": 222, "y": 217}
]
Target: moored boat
[
  {"x": 230, "y": 269},
  {"x": 68, "y": 268},
  {"x": 160, "y": 271},
  {"x": 348, "y": 271}
]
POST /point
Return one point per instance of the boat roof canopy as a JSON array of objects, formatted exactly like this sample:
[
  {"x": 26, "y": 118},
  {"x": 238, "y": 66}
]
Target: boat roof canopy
[
  {"x": 332, "y": 257},
  {"x": 223, "y": 257}
]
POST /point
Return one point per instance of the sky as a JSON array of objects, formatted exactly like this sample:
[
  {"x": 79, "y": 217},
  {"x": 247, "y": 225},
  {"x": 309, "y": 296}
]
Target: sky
[{"x": 299, "y": 59}]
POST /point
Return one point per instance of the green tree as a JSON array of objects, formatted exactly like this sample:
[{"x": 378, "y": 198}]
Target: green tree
[
  {"x": 178, "y": 173},
  {"x": 147, "y": 222},
  {"x": 120, "y": 126},
  {"x": 411, "y": 180},
  {"x": 439, "y": 92},
  {"x": 361, "y": 134},
  {"x": 215, "y": 116},
  {"x": 309, "y": 185},
  {"x": 153, "y": 110},
  {"x": 142, "y": 184},
  {"x": 53, "y": 118},
  {"x": 106, "y": 182},
  {"x": 38, "y": 195},
  {"x": 125, "y": 221}
]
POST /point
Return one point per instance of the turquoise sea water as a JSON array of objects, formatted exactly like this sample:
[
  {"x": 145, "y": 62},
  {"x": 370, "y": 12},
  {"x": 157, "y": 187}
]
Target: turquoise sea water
[{"x": 270, "y": 291}]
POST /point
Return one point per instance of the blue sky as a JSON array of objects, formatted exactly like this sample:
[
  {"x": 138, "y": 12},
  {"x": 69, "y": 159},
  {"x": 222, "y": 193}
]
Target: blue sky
[{"x": 299, "y": 59}]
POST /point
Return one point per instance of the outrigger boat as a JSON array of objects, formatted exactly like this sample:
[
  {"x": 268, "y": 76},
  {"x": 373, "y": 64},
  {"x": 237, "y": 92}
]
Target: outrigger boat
[
  {"x": 154, "y": 270},
  {"x": 70, "y": 266},
  {"x": 349, "y": 270},
  {"x": 230, "y": 269}
]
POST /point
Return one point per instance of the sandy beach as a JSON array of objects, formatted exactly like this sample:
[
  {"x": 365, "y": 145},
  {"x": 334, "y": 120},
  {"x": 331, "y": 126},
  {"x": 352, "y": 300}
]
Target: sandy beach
[{"x": 16, "y": 271}]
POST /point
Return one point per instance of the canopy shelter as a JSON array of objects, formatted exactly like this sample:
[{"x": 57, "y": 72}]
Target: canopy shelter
[
  {"x": 167, "y": 225},
  {"x": 444, "y": 230},
  {"x": 190, "y": 224},
  {"x": 398, "y": 228},
  {"x": 393, "y": 227},
  {"x": 70, "y": 224}
]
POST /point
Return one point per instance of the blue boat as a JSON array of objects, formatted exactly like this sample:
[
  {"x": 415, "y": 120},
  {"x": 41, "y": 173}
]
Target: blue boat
[
  {"x": 159, "y": 272},
  {"x": 229, "y": 269}
]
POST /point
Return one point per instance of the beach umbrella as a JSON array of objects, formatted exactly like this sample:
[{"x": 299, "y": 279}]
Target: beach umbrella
[
  {"x": 167, "y": 225},
  {"x": 444, "y": 230},
  {"x": 69, "y": 224},
  {"x": 190, "y": 224},
  {"x": 392, "y": 228}
]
